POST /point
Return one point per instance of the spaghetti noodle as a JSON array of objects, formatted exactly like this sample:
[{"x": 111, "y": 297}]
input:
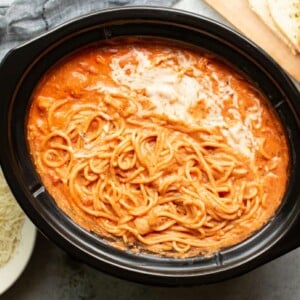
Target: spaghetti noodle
[{"x": 157, "y": 147}]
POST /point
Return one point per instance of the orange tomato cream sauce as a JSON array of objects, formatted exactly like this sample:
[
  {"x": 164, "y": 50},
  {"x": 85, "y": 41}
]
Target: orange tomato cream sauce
[{"x": 157, "y": 147}]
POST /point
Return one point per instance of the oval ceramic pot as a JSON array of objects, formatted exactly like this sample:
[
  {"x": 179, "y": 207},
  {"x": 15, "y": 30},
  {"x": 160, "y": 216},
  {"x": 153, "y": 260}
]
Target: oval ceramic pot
[{"x": 23, "y": 67}]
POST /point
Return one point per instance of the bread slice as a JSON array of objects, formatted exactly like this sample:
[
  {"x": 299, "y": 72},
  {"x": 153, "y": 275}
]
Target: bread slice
[
  {"x": 286, "y": 16},
  {"x": 261, "y": 8}
]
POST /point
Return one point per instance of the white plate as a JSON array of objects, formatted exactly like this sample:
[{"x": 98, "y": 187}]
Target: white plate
[{"x": 11, "y": 271}]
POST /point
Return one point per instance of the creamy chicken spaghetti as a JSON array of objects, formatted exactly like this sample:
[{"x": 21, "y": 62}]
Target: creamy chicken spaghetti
[{"x": 157, "y": 147}]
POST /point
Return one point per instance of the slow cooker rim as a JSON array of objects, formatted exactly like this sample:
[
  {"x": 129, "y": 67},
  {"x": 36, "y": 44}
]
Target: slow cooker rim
[{"x": 2, "y": 161}]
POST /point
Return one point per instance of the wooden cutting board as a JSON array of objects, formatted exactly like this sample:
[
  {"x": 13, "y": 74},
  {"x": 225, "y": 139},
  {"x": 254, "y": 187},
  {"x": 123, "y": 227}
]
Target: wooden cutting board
[{"x": 239, "y": 14}]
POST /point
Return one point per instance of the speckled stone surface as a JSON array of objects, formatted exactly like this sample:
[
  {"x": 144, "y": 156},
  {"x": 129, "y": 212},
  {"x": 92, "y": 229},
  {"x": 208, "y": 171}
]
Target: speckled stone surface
[{"x": 52, "y": 274}]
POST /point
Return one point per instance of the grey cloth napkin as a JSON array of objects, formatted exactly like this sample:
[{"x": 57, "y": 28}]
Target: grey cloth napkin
[{"x": 26, "y": 19}]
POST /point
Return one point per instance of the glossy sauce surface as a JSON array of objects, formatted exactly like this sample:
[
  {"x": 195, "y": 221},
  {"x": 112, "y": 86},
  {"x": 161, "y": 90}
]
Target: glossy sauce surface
[{"x": 188, "y": 95}]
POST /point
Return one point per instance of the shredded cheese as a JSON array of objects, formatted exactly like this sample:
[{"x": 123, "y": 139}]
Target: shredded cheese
[
  {"x": 11, "y": 222},
  {"x": 173, "y": 91}
]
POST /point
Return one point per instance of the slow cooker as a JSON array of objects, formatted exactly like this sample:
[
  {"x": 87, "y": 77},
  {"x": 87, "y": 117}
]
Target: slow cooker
[{"x": 23, "y": 67}]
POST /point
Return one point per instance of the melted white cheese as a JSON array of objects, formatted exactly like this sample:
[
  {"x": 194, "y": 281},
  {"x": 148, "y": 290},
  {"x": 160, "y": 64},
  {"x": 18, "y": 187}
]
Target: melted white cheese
[{"x": 174, "y": 92}]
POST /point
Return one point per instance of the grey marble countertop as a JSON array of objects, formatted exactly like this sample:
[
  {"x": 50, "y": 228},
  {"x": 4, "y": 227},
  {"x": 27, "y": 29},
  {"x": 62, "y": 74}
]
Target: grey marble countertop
[{"x": 52, "y": 274}]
